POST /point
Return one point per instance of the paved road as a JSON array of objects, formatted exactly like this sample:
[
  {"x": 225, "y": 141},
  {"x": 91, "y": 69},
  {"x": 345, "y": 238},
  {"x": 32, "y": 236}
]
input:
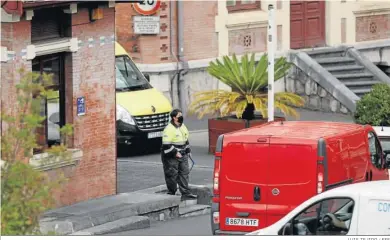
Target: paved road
[
  {"x": 145, "y": 171},
  {"x": 192, "y": 226}
]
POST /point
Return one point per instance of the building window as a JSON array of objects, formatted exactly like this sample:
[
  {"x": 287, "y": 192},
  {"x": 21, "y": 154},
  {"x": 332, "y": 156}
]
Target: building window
[
  {"x": 239, "y": 5},
  {"x": 53, "y": 108},
  {"x": 49, "y": 24}
]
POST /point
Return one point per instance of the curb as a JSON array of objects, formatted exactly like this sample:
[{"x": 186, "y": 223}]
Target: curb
[
  {"x": 121, "y": 225},
  {"x": 122, "y": 212},
  {"x": 199, "y": 131},
  {"x": 71, "y": 219},
  {"x": 204, "y": 192}
]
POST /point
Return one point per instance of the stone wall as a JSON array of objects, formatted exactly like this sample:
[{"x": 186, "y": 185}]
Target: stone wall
[{"x": 316, "y": 97}]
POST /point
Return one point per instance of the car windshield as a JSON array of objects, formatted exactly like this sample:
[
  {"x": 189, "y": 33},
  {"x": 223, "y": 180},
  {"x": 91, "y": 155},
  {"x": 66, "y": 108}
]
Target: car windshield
[
  {"x": 128, "y": 77},
  {"x": 385, "y": 142}
]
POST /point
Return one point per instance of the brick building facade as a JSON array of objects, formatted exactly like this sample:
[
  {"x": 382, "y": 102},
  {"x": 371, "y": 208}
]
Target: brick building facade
[
  {"x": 79, "y": 51},
  {"x": 199, "y": 38}
]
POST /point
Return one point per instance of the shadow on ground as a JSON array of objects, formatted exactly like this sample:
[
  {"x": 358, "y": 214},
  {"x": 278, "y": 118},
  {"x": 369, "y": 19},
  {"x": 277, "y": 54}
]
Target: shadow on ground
[{"x": 135, "y": 151}]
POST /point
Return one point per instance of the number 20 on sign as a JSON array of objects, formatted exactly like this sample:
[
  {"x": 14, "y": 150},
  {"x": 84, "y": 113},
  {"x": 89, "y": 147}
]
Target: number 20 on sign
[{"x": 147, "y": 7}]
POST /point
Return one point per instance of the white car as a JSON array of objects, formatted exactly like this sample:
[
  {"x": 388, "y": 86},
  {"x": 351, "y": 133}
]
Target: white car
[{"x": 354, "y": 209}]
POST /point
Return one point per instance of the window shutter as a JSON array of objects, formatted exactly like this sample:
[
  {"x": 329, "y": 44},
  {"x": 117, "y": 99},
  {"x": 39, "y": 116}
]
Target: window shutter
[{"x": 46, "y": 25}]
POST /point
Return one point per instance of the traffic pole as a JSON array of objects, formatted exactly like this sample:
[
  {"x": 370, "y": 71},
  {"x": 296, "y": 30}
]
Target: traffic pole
[{"x": 271, "y": 60}]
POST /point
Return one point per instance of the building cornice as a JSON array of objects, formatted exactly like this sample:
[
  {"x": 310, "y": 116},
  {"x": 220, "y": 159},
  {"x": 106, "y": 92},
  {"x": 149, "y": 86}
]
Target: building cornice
[
  {"x": 372, "y": 12},
  {"x": 247, "y": 25}
]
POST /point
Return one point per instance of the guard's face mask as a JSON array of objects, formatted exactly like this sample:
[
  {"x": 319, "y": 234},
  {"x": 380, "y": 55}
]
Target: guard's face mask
[{"x": 180, "y": 119}]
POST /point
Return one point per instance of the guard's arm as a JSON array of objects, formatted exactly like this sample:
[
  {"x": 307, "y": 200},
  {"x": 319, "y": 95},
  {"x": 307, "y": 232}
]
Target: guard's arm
[{"x": 167, "y": 147}]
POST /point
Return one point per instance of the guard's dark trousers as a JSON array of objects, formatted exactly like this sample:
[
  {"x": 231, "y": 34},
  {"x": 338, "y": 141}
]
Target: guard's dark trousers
[{"x": 176, "y": 171}]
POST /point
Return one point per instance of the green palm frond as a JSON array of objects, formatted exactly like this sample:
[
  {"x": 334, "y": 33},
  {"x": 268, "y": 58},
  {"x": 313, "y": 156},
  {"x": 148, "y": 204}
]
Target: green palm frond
[{"x": 247, "y": 79}]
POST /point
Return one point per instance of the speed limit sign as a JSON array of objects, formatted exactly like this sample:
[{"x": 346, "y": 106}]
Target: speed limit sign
[{"x": 147, "y": 7}]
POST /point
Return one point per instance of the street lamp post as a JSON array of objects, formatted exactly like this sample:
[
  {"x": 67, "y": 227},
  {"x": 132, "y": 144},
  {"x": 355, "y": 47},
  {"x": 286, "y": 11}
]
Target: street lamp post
[{"x": 271, "y": 60}]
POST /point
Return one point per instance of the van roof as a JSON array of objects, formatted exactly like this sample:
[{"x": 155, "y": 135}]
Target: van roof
[
  {"x": 367, "y": 189},
  {"x": 306, "y": 130}
]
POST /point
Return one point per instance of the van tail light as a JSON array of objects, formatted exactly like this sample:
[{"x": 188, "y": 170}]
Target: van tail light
[
  {"x": 217, "y": 168},
  {"x": 216, "y": 217},
  {"x": 320, "y": 178}
]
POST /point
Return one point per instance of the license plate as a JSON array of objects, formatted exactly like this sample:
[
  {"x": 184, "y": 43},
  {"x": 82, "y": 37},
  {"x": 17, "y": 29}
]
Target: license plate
[
  {"x": 154, "y": 134},
  {"x": 242, "y": 222}
]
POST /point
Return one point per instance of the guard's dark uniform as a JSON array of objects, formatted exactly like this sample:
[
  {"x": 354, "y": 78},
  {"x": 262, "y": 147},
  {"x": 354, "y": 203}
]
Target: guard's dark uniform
[{"x": 176, "y": 171}]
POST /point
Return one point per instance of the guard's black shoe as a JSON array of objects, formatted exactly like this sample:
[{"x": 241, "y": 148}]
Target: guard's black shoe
[
  {"x": 171, "y": 193},
  {"x": 188, "y": 197}
]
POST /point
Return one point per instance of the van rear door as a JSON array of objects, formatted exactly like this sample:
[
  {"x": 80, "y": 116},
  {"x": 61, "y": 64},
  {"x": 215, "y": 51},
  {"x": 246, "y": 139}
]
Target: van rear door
[
  {"x": 292, "y": 179},
  {"x": 243, "y": 186}
]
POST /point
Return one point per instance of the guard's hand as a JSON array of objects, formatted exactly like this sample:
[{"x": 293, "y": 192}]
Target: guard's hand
[
  {"x": 178, "y": 155},
  {"x": 188, "y": 150}
]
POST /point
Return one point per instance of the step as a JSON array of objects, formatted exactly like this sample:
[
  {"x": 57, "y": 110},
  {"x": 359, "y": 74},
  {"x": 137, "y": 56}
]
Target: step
[
  {"x": 353, "y": 75},
  {"x": 124, "y": 224},
  {"x": 335, "y": 60},
  {"x": 326, "y": 52},
  {"x": 360, "y": 83},
  {"x": 88, "y": 214},
  {"x": 360, "y": 95},
  {"x": 194, "y": 210},
  {"x": 362, "y": 90},
  {"x": 188, "y": 203},
  {"x": 351, "y": 68}
]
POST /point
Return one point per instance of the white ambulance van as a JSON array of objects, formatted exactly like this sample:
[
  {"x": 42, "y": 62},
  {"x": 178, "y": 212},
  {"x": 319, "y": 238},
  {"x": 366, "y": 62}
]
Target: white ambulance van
[{"x": 354, "y": 209}]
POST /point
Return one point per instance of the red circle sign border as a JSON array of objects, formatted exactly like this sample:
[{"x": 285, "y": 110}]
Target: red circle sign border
[{"x": 150, "y": 12}]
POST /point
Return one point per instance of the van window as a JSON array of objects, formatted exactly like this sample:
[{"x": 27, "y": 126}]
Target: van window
[
  {"x": 385, "y": 142},
  {"x": 128, "y": 77},
  {"x": 328, "y": 217},
  {"x": 375, "y": 150}
]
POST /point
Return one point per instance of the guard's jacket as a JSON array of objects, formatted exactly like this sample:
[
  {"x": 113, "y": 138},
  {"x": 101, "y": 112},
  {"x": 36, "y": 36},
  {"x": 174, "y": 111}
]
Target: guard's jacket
[{"x": 175, "y": 138}]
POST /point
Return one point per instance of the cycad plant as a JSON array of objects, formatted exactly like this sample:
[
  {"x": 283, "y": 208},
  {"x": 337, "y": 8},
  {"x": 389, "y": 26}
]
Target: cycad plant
[{"x": 249, "y": 81}]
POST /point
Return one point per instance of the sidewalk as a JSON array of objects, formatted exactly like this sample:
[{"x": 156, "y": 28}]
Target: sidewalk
[{"x": 123, "y": 212}]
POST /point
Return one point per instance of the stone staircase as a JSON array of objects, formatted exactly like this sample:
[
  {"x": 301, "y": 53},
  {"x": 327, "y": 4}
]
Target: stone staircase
[{"x": 346, "y": 69}]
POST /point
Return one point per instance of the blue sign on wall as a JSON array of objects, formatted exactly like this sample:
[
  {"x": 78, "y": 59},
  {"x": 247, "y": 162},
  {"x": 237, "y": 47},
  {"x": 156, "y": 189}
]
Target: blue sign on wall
[{"x": 80, "y": 106}]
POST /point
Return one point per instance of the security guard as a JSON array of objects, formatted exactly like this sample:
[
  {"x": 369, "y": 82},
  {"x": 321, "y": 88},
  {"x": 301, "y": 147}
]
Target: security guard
[{"x": 174, "y": 155}]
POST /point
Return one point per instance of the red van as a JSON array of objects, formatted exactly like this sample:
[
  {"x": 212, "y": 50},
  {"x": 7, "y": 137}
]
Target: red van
[{"x": 262, "y": 173}]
